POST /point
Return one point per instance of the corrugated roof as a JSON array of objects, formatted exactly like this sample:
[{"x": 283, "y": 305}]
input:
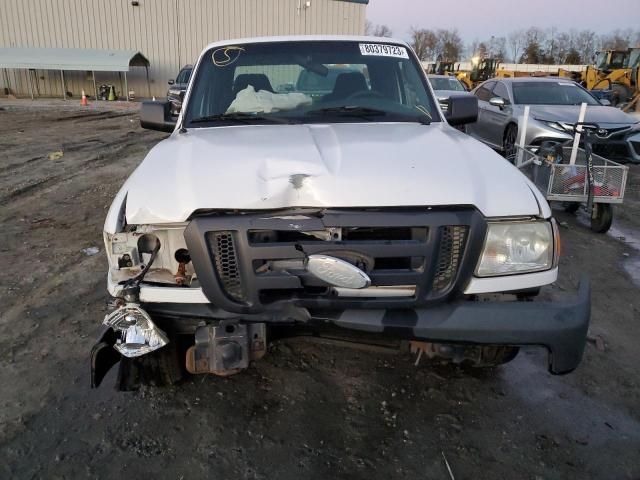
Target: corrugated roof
[{"x": 72, "y": 59}]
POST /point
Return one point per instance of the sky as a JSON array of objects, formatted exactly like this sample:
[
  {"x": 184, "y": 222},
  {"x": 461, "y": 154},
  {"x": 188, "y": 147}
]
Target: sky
[{"x": 479, "y": 19}]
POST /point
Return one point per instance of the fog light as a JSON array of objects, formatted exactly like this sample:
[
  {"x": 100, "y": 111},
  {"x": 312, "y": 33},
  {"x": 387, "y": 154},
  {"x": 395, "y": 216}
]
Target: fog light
[{"x": 138, "y": 334}]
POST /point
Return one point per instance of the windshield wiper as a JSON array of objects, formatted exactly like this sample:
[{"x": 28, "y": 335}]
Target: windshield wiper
[
  {"x": 366, "y": 112},
  {"x": 240, "y": 117}
]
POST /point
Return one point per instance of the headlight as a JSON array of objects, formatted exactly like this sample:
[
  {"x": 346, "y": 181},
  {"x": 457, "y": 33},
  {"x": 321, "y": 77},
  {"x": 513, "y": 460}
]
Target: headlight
[
  {"x": 517, "y": 247},
  {"x": 555, "y": 126},
  {"x": 565, "y": 127}
]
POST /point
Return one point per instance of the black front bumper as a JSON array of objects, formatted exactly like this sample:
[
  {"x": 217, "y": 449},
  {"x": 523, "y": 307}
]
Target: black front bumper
[{"x": 559, "y": 326}]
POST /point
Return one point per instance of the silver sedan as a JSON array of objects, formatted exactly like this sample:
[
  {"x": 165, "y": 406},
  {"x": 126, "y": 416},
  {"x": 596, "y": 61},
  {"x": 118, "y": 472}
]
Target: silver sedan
[{"x": 555, "y": 106}]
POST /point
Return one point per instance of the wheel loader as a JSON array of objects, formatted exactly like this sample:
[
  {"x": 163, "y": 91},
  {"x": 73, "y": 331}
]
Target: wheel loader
[{"x": 615, "y": 70}]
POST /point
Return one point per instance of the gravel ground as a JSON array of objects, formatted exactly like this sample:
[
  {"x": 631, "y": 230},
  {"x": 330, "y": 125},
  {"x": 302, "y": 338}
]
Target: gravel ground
[{"x": 307, "y": 410}]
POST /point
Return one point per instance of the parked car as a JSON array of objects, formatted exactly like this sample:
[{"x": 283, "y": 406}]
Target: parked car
[
  {"x": 178, "y": 87},
  {"x": 361, "y": 211},
  {"x": 555, "y": 106},
  {"x": 444, "y": 86}
]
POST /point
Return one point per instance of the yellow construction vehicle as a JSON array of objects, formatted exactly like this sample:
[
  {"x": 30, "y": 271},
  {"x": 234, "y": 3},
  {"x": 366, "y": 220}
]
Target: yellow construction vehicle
[
  {"x": 482, "y": 69},
  {"x": 442, "y": 68},
  {"x": 634, "y": 66},
  {"x": 614, "y": 70}
]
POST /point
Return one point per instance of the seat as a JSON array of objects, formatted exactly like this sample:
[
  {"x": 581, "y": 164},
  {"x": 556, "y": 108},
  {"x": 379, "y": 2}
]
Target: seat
[
  {"x": 259, "y": 81},
  {"x": 346, "y": 85}
]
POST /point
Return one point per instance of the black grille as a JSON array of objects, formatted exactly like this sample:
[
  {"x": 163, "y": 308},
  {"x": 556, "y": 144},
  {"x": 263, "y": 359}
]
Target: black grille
[
  {"x": 611, "y": 150},
  {"x": 251, "y": 261},
  {"x": 452, "y": 242},
  {"x": 226, "y": 262}
]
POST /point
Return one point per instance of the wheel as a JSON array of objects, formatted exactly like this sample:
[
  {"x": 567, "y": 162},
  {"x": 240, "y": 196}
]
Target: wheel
[
  {"x": 509, "y": 142},
  {"x": 488, "y": 357},
  {"x": 601, "y": 217},
  {"x": 621, "y": 94},
  {"x": 571, "y": 207},
  {"x": 473, "y": 356},
  {"x": 164, "y": 367}
]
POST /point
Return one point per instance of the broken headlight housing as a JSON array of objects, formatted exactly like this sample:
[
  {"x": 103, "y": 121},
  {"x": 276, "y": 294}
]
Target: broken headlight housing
[
  {"x": 138, "y": 334},
  {"x": 517, "y": 247}
]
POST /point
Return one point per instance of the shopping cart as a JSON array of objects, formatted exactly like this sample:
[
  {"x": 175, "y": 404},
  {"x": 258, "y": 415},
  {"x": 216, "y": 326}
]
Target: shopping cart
[{"x": 591, "y": 180}]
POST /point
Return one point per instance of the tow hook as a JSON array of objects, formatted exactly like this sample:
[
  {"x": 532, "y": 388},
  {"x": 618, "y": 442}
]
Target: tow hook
[{"x": 226, "y": 348}]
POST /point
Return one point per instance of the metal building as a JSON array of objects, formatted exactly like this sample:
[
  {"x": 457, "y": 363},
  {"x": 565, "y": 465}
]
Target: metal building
[{"x": 170, "y": 33}]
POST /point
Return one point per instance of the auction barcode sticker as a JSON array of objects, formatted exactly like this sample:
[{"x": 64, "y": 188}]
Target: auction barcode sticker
[{"x": 383, "y": 50}]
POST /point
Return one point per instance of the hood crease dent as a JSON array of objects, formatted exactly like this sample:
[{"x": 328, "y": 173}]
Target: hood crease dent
[{"x": 255, "y": 167}]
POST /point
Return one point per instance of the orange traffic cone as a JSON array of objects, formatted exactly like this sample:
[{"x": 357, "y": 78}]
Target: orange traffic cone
[{"x": 83, "y": 101}]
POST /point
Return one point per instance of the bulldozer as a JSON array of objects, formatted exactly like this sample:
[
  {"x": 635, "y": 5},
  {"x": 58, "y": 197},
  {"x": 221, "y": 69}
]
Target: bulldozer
[{"x": 617, "y": 71}]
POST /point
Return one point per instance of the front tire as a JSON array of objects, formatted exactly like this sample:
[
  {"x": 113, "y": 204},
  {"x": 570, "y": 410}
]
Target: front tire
[
  {"x": 509, "y": 142},
  {"x": 621, "y": 94},
  {"x": 601, "y": 217},
  {"x": 164, "y": 367},
  {"x": 490, "y": 357},
  {"x": 571, "y": 207}
]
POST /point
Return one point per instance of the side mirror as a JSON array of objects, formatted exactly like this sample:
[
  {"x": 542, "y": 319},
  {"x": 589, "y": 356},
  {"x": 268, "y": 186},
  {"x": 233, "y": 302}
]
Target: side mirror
[
  {"x": 605, "y": 102},
  {"x": 498, "y": 102},
  {"x": 157, "y": 116},
  {"x": 462, "y": 109},
  {"x": 171, "y": 82}
]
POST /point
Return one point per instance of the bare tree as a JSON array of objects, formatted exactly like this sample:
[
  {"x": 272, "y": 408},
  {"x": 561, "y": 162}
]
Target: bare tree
[
  {"x": 368, "y": 27},
  {"x": 516, "y": 41},
  {"x": 424, "y": 43},
  {"x": 585, "y": 44},
  {"x": 449, "y": 46},
  {"x": 564, "y": 45},
  {"x": 382, "y": 31},
  {"x": 498, "y": 48},
  {"x": 377, "y": 30},
  {"x": 482, "y": 50},
  {"x": 472, "y": 48},
  {"x": 617, "y": 40}
]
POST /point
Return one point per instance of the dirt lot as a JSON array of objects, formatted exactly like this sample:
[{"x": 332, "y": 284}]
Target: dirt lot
[{"x": 306, "y": 410}]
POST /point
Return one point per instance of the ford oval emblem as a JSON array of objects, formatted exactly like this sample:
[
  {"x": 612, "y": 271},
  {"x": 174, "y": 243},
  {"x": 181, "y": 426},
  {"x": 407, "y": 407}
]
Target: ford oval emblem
[{"x": 337, "y": 272}]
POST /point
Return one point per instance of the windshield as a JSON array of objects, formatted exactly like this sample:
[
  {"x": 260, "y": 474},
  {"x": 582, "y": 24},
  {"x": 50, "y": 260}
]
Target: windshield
[
  {"x": 183, "y": 76},
  {"x": 551, "y": 93},
  {"x": 308, "y": 82},
  {"x": 634, "y": 58},
  {"x": 441, "y": 83}
]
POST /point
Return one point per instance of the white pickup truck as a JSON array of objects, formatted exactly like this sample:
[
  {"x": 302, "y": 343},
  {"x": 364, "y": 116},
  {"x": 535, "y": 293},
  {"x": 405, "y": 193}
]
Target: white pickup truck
[{"x": 362, "y": 211}]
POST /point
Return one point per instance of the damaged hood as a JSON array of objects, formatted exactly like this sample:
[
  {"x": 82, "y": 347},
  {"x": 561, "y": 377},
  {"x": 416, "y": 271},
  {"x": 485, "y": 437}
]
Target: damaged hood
[{"x": 253, "y": 167}]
